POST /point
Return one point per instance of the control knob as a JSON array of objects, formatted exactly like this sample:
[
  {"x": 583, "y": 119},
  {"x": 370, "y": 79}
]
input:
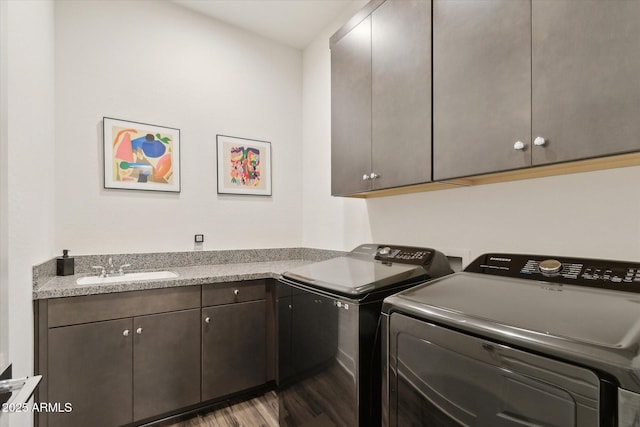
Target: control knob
[
  {"x": 384, "y": 251},
  {"x": 550, "y": 266}
]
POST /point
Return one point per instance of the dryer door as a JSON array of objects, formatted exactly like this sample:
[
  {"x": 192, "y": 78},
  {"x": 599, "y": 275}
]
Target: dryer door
[{"x": 440, "y": 377}]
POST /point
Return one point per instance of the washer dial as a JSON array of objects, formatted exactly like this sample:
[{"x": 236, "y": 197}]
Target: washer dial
[{"x": 550, "y": 266}]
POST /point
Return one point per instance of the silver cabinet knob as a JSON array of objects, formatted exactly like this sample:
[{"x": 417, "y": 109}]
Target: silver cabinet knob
[
  {"x": 374, "y": 175},
  {"x": 139, "y": 331},
  {"x": 125, "y": 333},
  {"x": 518, "y": 145},
  {"x": 207, "y": 319},
  {"x": 539, "y": 141},
  {"x": 365, "y": 177},
  {"x": 236, "y": 292}
]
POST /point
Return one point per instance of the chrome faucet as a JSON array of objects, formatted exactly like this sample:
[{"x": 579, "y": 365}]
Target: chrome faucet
[{"x": 111, "y": 271}]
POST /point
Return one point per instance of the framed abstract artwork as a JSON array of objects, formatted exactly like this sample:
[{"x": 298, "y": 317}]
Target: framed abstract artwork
[
  {"x": 244, "y": 166},
  {"x": 140, "y": 156}
]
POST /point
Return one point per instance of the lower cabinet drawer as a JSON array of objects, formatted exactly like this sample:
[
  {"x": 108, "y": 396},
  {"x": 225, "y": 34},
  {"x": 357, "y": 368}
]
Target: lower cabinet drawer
[
  {"x": 227, "y": 293},
  {"x": 94, "y": 308}
]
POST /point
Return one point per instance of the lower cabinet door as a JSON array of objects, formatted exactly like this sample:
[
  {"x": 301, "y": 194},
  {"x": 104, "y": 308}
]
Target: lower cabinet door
[
  {"x": 166, "y": 362},
  {"x": 233, "y": 348},
  {"x": 90, "y": 368}
]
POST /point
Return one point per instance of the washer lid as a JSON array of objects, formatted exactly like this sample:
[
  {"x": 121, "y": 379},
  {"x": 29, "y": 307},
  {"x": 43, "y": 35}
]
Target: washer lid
[
  {"x": 600, "y": 317},
  {"x": 596, "y": 327},
  {"x": 355, "y": 277}
]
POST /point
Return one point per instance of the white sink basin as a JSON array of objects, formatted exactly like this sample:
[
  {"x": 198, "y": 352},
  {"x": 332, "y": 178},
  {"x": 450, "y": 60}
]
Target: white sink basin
[{"x": 127, "y": 277}]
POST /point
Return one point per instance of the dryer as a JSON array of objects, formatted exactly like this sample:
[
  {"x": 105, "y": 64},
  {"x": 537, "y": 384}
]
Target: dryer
[{"x": 516, "y": 340}]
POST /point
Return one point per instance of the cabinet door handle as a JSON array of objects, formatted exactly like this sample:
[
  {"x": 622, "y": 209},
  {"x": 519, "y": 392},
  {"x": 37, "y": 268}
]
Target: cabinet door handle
[
  {"x": 365, "y": 177},
  {"x": 125, "y": 333},
  {"x": 374, "y": 175},
  {"x": 236, "y": 292},
  {"x": 139, "y": 331},
  {"x": 207, "y": 319},
  {"x": 539, "y": 141},
  {"x": 519, "y": 145}
]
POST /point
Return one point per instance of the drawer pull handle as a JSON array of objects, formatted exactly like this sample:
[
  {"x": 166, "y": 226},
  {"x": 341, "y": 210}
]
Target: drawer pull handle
[
  {"x": 125, "y": 333},
  {"x": 236, "y": 292},
  {"x": 139, "y": 331},
  {"x": 207, "y": 319}
]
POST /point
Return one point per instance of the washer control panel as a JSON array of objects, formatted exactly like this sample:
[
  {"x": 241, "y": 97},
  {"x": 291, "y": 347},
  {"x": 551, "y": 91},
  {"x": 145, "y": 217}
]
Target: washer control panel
[
  {"x": 606, "y": 274},
  {"x": 404, "y": 254}
]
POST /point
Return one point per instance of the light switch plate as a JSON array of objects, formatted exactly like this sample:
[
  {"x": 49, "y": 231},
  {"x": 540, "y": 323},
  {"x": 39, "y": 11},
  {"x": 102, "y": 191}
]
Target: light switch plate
[{"x": 198, "y": 242}]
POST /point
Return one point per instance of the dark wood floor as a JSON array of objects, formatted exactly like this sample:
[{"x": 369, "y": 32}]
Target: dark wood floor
[
  {"x": 321, "y": 400},
  {"x": 261, "y": 411}
]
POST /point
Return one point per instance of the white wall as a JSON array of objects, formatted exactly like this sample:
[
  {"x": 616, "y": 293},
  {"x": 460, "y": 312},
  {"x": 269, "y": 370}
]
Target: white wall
[
  {"x": 329, "y": 222},
  {"x": 590, "y": 214},
  {"x": 4, "y": 263},
  {"x": 29, "y": 134},
  {"x": 156, "y": 62}
]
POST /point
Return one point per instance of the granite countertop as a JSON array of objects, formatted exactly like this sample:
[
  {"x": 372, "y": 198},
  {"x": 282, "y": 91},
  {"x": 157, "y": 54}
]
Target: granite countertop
[
  {"x": 192, "y": 269},
  {"x": 65, "y": 286}
]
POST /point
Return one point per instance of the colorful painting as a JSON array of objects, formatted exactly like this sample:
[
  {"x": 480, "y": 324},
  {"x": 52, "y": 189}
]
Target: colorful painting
[
  {"x": 139, "y": 156},
  {"x": 244, "y": 166}
]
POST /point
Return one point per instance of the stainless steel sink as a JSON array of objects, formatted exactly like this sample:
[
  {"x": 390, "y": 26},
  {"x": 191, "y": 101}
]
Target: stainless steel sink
[{"x": 127, "y": 277}]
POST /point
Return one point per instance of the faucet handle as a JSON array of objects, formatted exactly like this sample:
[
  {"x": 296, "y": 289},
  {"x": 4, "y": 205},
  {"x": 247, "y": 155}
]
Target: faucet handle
[
  {"x": 120, "y": 270},
  {"x": 103, "y": 272}
]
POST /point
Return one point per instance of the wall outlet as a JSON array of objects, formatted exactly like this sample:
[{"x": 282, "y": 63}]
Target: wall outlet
[{"x": 198, "y": 242}]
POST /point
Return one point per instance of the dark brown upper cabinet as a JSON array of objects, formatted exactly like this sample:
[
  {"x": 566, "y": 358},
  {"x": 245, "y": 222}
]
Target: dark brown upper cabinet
[
  {"x": 521, "y": 83},
  {"x": 381, "y": 98}
]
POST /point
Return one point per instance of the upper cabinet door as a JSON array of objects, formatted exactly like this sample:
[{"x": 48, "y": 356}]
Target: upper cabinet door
[
  {"x": 401, "y": 94},
  {"x": 351, "y": 111},
  {"x": 586, "y": 78},
  {"x": 481, "y": 86}
]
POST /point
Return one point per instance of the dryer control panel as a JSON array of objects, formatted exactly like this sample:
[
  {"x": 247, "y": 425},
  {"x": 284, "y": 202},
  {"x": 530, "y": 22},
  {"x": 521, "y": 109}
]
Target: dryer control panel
[{"x": 606, "y": 274}]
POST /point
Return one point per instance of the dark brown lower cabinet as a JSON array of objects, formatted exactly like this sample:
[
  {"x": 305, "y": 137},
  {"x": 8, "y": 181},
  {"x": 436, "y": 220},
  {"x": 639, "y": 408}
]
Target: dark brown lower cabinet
[
  {"x": 91, "y": 367},
  {"x": 118, "y": 371},
  {"x": 233, "y": 348},
  {"x": 125, "y": 357},
  {"x": 166, "y": 362}
]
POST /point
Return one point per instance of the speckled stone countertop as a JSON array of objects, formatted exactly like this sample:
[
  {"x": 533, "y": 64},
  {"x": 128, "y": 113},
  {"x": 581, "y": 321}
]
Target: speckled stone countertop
[{"x": 198, "y": 269}]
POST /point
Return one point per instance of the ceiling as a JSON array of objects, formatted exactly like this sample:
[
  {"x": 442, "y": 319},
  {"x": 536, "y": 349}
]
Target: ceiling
[{"x": 291, "y": 22}]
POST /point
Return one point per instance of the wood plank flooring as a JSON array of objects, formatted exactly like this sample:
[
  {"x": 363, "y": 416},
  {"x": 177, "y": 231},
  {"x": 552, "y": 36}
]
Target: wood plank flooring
[
  {"x": 323, "y": 400},
  {"x": 261, "y": 411}
]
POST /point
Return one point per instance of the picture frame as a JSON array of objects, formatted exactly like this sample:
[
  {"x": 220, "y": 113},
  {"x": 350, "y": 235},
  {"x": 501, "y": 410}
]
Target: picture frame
[
  {"x": 140, "y": 156},
  {"x": 244, "y": 166}
]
